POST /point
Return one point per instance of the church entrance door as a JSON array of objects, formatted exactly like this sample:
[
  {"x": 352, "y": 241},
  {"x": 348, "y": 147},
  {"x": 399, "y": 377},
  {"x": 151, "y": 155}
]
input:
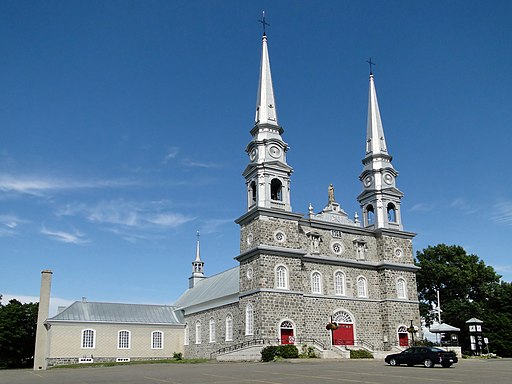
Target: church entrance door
[
  {"x": 403, "y": 337},
  {"x": 344, "y": 335},
  {"x": 287, "y": 333}
]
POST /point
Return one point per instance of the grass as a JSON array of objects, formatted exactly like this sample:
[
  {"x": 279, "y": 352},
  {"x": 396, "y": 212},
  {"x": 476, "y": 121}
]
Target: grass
[{"x": 114, "y": 364}]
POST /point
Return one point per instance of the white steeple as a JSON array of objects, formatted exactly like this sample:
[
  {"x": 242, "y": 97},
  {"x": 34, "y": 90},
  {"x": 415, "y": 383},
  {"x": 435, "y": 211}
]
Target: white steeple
[
  {"x": 380, "y": 198},
  {"x": 197, "y": 267},
  {"x": 268, "y": 175},
  {"x": 266, "y": 112}
]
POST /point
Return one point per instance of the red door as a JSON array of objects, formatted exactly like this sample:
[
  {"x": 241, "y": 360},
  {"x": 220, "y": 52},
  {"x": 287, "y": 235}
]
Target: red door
[
  {"x": 286, "y": 336},
  {"x": 403, "y": 339},
  {"x": 344, "y": 335}
]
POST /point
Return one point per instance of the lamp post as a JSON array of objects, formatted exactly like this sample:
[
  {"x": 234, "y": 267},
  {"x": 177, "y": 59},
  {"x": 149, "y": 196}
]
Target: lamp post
[{"x": 412, "y": 330}]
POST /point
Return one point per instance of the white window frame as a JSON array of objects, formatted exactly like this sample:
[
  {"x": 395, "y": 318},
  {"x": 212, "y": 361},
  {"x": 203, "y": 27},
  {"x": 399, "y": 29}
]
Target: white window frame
[
  {"x": 316, "y": 282},
  {"x": 198, "y": 332},
  {"x": 90, "y": 342},
  {"x": 229, "y": 327},
  {"x": 157, "y": 342},
  {"x": 249, "y": 320},
  {"x": 212, "y": 330},
  {"x": 401, "y": 288},
  {"x": 186, "y": 337},
  {"x": 362, "y": 286},
  {"x": 122, "y": 341},
  {"x": 339, "y": 283},
  {"x": 281, "y": 277}
]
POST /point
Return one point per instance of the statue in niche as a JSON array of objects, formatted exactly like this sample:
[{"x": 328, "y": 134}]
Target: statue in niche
[{"x": 331, "y": 194}]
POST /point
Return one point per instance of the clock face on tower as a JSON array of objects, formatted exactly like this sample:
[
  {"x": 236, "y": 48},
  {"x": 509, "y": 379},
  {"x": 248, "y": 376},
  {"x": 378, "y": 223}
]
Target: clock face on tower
[
  {"x": 253, "y": 154},
  {"x": 367, "y": 181},
  {"x": 274, "y": 151},
  {"x": 388, "y": 178}
]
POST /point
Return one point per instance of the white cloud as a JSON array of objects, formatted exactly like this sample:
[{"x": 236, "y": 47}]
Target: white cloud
[
  {"x": 122, "y": 214},
  {"x": 197, "y": 164},
  {"x": 502, "y": 212},
  {"x": 66, "y": 237},
  {"x": 171, "y": 154},
  {"x": 214, "y": 225},
  {"x": 38, "y": 185},
  {"x": 421, "y": 207},
  {"x": 465, "y": 206}
]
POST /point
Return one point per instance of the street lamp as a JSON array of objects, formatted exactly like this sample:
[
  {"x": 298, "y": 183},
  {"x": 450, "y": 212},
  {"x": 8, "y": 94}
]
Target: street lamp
[{"x": 412, "y": 330}]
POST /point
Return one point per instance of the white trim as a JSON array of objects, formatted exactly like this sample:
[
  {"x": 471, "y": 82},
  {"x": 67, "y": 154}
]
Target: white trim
[
  {"x": 277, "y": 280},
  {"x": 316, "y": 289},
  {"x": 343, "y": 283},
  {"x": 198, "y": 332},
  {"x": 401, "y": 293},
  {"x": 249, "y": 320},
  {"x": 365, "y": 286},
  {"x": 153, "y": 339},
  {"x": 229, "y": 329},
  {"x": 93, "y": 339},
  {"x": 119, "y": 346},
  {"x": 211, "y": 328}
]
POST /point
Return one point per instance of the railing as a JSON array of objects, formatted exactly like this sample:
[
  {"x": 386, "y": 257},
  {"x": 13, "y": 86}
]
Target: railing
[
  {"x": 250, "y": 343},
  {"x": 355, "y": 343},
  {"x": 239, "y": 346}
]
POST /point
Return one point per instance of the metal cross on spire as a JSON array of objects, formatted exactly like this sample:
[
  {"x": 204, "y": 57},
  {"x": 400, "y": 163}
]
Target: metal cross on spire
[
  {"x": 264, "y": 23},
  {"x": 369, "y": 61}
]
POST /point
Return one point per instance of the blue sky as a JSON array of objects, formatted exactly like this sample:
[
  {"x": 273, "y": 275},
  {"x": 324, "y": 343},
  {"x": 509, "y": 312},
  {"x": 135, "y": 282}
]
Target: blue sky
[{"x": 124, "y": 125}]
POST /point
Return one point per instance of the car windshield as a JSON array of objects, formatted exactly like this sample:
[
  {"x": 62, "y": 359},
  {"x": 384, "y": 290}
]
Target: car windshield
[{"x": 434, "y": 349}]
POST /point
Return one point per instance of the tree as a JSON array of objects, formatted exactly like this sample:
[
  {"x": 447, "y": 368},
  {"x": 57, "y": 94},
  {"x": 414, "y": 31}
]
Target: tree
[
  {"x": 18, "y": 324},
  {"x": 467, "y": 288}
]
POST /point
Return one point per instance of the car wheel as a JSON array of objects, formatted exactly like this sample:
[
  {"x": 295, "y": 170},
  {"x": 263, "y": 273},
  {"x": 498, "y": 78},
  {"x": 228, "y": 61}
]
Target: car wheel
[
  {"x": 392, "y": 362},
  {"x": 428, "y": 363},
  {"x": 446, "y": 365}
]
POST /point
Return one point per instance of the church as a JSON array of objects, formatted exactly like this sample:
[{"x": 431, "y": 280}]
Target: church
[{"x": 322, "y": 279}]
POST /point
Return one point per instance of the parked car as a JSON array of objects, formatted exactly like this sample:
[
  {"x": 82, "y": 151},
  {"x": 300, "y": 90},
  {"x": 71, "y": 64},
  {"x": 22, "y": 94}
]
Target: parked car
[{"x": 427, "y": 356}]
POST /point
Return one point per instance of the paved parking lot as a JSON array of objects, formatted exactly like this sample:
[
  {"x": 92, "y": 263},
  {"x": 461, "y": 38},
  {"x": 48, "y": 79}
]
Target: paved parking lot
[{"x": 296, "y": 372}]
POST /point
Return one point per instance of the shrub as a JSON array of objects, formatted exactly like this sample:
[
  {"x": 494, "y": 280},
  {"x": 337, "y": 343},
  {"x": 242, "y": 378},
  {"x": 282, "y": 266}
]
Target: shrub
[
  {"x": 177, "y": 356},
  {"x": 273, "y": 352},
  {"x": 360, "y": 354},
  {"x": 307, "y": 352},
  {"x": 269, "y": 353}
]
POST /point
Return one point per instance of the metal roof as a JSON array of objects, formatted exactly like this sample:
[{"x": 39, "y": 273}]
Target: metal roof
[
  {"x": 82, "y": 311},
  {"x": 211, "y": 288}
]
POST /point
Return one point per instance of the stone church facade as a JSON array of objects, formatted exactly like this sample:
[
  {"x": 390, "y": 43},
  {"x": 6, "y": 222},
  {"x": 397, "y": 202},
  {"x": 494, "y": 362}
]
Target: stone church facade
[
  {"x": 296, "y": 274},
  {"x": 299, "y": 273}
]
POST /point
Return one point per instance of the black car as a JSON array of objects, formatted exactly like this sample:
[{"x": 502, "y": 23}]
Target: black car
[{"x": 427, "y": 356}]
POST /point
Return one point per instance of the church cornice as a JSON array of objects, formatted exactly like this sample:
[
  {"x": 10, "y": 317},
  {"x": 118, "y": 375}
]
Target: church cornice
[
  {"x": 266, "y": 127},
  {"x": 261, "y": 211},
  {"x": 361, "y": 264},
  {"x": 270, "y": 250},
  {"x": 394, "y": 233}
]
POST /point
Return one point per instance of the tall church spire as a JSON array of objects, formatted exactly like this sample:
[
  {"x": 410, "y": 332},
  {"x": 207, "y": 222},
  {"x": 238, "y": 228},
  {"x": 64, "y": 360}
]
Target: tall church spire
[
  {"x": 268, "y": 175},
  {"x": 380, "y": 198},
  {"x": 265, "y": 105}
]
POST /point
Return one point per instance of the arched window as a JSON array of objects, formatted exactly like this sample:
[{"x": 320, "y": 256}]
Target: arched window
[
  {"x": 212, "y": 331},
  {"x": 401, "y": 288},
  {"x": 229, "y": 328},
  {"x": 281, "y": 277},
  {"x": 198, "y": 332},
  {"x": 276, "y": 190},
  {"x": 123, "y": 340},
  {"x": 362, "y": 287},
  {"x": 339, "y": 283},
  {"x": 252, "y": 191},
  {"x": 187, "y": 335},
  {"x": 391, "y": 213},
  {"x": 370, "y": 215},
  {"x": 88, "y": 339},
  {"x": 316, "y": 282},
  {"x": 249, "y": 320},
  {"x": 157, "y": 340}
]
